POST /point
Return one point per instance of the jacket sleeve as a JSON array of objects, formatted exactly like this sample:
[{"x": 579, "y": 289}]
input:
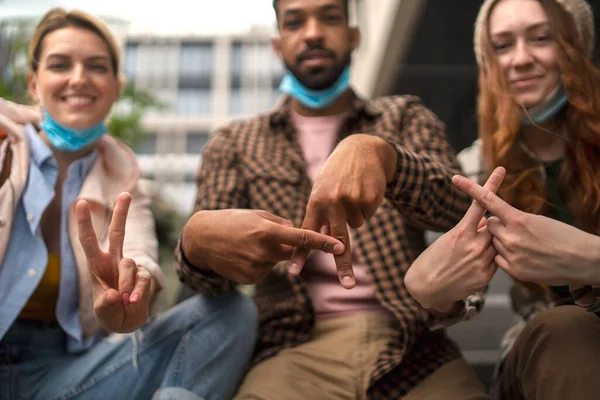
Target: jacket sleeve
[
  {"x": 220, "y": 185},
  {"x": 422, "y": 189}
]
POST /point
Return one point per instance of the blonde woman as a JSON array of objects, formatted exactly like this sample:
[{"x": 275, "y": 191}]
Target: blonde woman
[{"x": 78, "y": 248}]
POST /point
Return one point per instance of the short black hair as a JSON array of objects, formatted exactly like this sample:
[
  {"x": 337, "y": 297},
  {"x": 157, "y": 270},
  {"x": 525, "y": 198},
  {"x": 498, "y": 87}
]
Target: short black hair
[{"x": 346, "y": 8}]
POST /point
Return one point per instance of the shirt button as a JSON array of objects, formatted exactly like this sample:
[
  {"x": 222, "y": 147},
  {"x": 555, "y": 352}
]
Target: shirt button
[
  {"x": 29, "y": 217},
  {"x": 32, "y": 272}
]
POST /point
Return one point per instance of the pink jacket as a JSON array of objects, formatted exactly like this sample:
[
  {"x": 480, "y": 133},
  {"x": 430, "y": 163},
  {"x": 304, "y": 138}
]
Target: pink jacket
[{"x": 115, "y": 171}]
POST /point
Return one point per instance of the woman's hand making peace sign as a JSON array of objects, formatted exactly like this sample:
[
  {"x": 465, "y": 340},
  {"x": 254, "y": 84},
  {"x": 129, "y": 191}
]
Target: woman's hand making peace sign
[{"x": 121, "y": 289}]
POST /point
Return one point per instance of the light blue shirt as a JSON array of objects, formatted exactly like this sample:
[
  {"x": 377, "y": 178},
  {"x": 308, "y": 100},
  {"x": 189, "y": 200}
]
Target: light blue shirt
[{"x": 26, "y": 257}]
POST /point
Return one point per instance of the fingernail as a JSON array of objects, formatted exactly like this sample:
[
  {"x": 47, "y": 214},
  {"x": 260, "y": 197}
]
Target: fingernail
[
  {"x": 338, "y": 248},
  {"x": 135, "y": 298},
  {"x": 347, "y": 281},
  {"x": 125, "y": 300},
  {"x": 294, "y": 269}
]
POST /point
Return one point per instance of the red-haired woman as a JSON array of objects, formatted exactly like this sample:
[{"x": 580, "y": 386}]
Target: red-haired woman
[{"x": 539, "y": 127}]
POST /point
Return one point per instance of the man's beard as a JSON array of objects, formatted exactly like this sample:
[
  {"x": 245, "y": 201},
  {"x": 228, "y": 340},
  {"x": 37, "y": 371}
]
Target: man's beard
[{"x": 319, "y": 78}]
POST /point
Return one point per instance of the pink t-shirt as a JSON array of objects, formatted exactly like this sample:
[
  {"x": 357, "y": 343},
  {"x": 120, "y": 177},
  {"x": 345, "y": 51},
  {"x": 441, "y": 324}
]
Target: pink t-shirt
[{"x": 317, "y": 137}]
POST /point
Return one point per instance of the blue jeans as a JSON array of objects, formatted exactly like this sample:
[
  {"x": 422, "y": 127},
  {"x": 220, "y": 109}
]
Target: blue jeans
[{"x": 199, "y": 349}]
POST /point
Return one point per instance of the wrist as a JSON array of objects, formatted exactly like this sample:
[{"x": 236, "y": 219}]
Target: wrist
[
  {"x": 591, "y": 273},
  {"x": 191, "y": 239},
  {"x": 444, "y": 309},
  {"x": 389, "y": 159}
]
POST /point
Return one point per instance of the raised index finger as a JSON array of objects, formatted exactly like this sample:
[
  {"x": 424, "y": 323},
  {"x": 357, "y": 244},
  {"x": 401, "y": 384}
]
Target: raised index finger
[
  {"x": 338, "y": 226},
  {"x": 485, "y": 198},
  {"x": 87, "y": 236},
  {"x": 116, "y": 231},
  {"x": 307, "y": 239}
]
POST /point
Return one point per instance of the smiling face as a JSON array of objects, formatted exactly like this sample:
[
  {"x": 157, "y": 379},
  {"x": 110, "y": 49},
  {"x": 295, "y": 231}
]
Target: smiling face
[
  {"x": 75, "y": 80},
  {"x": 315, "y": 42},
  {"x": 526, "y": 50}
]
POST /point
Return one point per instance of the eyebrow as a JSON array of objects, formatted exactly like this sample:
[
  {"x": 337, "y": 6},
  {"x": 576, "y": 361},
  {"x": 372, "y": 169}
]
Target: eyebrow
[
  {"x": 529, "y": 28},
  {"x": 92, "y": 58}
]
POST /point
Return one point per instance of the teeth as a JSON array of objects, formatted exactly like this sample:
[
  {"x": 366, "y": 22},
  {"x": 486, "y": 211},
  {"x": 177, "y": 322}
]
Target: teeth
[{"x": 78, "y": 100}]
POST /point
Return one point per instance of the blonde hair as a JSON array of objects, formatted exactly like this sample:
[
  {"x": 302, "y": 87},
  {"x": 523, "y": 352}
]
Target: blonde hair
[{"x": 59, "y": 18}]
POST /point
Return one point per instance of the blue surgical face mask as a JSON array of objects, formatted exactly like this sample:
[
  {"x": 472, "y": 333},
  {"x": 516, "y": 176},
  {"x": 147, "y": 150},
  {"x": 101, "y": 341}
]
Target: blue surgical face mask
[
  {"x": 547, "y": 109},
  {"x": 315, "y": 99},
  {"x": 67, "y": 139}
]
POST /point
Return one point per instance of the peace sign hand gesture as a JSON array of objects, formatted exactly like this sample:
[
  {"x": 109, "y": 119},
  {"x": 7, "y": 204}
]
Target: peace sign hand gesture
[
  {"x": 121, "y": 289},
  {"x": 459, "y": 263},
  {"x": 535, "y": 248}
]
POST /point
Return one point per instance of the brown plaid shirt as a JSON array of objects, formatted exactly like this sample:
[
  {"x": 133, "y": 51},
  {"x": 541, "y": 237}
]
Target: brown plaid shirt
[{"x": 257, "y": 164}]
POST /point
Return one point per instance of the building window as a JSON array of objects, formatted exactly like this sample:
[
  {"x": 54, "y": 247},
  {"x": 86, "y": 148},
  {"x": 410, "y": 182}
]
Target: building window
[
  {"x": 148, "y": 146},
  {"x": 235, "y": 101},
  {"x": 194, "y": 102},
  {"x": 131, "y": 59},
  {"x": 195, "y": 142},
  {"x": 236, "y": 59},
  {"x": 196, "y": 60}
]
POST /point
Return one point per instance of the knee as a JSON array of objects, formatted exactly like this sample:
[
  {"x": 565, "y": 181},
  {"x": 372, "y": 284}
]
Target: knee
[
  {"x": 240, "y": 310},
  {"x": 562, "y": 326},
  {"x": 232, "y": 314}
]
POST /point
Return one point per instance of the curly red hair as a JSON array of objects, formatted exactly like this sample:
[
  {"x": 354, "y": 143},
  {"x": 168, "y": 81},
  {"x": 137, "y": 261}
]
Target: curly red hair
[{"x": 499, "y": 128}]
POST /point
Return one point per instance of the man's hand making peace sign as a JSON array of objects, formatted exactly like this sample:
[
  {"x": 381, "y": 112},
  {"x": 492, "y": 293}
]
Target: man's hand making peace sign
[{"x": 121, "y": 289}]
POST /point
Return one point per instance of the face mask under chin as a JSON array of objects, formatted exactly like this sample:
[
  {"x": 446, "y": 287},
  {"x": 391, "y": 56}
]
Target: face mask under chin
[{"x": 547, "y": 109}]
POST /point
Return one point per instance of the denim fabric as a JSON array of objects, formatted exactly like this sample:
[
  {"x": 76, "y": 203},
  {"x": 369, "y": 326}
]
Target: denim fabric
[{"x": 198, "y": 349}]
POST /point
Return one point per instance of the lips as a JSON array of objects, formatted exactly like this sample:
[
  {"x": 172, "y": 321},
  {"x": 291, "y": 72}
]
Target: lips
[
  {"x": 315, "y": 57},
  {"x": 525, "y": 82},
  {"x": 78, "y": 100}
]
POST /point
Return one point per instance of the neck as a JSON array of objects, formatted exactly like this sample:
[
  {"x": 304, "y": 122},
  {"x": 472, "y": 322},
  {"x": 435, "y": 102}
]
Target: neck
[
  {"x": 546, "y": 140},
  {"x": 66, "y": 158},
  {"x": 340, "y": 105}
]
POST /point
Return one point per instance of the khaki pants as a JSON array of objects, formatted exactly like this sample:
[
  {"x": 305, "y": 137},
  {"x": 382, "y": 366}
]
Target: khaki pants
[
  {"x": 556, "y": 356},
  {"x": 338, "y": 362}
]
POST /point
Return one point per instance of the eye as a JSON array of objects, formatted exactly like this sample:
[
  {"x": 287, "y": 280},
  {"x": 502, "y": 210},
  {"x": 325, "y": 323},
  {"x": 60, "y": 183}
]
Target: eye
[
  {"x": 332, "y": 18},
  {"x": 500, "y": 46},
  {"x": 99, "y": 68},
  {"x": 58, "y": 66},
  {"x": 541, "y": 38},
  {"x": 292, "y": 23}
]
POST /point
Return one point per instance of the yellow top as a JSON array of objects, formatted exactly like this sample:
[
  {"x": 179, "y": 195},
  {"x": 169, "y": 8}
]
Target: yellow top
[{"x": 42, "y": 303}]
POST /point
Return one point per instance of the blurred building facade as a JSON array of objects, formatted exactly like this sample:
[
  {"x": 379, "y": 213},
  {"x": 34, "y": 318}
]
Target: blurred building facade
[{"x": 206, "y": 81}]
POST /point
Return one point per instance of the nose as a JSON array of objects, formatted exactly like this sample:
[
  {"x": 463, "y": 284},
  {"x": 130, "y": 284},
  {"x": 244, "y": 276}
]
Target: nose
[
  {"x": 522, "y": 55},
  {"x": 313, "y": 31},
  {"x": 79, "y": 75}
]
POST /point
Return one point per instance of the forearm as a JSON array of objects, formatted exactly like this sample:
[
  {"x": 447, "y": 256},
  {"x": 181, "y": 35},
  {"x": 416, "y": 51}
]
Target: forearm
[
  {"x": 190, "y": 264},
  {"x": 422, "y": 190},
  {"x": 190, "y": 242}
]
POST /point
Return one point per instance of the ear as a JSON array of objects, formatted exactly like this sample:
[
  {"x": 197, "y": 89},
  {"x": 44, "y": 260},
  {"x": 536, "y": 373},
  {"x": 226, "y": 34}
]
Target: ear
[
  {"x": 276, "y": 45},
  {"x": 32, "y": 86},
  {"x": 354, "y": 37}
]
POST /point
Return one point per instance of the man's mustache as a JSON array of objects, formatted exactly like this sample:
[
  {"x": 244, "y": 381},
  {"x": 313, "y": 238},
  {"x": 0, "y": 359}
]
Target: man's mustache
[{"x": 314, "y": 52}]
